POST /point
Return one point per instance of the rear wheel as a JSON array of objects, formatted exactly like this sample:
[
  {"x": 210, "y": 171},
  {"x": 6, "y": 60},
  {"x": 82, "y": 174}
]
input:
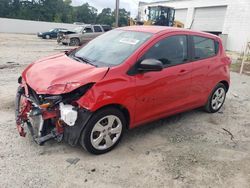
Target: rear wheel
[
  {"x": 216, "y": 99},
  {"x": 103, "y": 131},
  {"x": 74, "y": 42}
]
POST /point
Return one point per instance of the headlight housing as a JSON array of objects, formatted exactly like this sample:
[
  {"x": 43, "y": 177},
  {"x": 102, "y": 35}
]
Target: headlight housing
[
  {"x": 77, "y": 93},
  {"x": 63, "y": 88},
  {"x": 69, "y": 97}
]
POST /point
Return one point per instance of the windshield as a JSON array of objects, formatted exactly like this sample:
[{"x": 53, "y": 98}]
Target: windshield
[
  {"x": 113, "y": 47},
  {"x": 78, "y": 29}
]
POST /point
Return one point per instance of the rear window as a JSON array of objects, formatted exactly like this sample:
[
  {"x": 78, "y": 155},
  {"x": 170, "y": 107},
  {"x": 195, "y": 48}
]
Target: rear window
[{"x": 204, "y": 47}]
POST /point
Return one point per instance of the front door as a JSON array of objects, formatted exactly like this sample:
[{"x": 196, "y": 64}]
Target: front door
[{"x": 161, "y": 93}]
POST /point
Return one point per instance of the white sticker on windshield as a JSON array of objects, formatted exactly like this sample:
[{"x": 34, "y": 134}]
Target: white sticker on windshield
[{"x": 129, "y": 41}]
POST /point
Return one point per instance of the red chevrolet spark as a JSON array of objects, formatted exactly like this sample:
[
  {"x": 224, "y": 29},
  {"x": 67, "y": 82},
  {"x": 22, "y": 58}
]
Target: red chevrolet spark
[{"x": 121, "y": 80}]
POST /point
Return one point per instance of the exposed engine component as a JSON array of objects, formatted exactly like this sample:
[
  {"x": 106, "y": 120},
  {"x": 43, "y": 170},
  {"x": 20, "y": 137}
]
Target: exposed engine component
[
  {"x": 68, "y": 114},
  {"x": 37, "y": 123},
  {"x": 50, "y": 116}
]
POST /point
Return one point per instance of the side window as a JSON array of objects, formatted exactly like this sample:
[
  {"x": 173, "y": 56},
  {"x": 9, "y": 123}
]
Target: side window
[
  {"x": 97, "y": 29},
  {"x": 170, "y": 51},
  {"x": 204, "y": 47},
  {"x": 88, "y": 30},
  {"x": 217, "y": 47}
]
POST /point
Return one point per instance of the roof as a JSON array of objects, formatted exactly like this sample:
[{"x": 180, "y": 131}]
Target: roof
[
  {"x": 149, "y": 29},
  {"x": 159, "y": 29}
]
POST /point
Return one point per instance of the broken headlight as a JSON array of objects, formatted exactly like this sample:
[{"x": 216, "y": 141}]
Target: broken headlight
[
  {"x": 62, "y": 88},
  {"x": 66, "y": 98},
  {"x": 76, "y": 94}
]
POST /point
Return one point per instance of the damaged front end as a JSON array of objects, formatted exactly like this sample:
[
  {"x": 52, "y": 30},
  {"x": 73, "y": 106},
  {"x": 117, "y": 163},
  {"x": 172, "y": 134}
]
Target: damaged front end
[{"x": 50, "y": 116}]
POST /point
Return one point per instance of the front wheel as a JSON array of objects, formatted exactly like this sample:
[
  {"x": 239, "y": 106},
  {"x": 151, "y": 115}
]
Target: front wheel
[
  {"x": 19, "y": 101},
  {"x": 103, "y": 131},
  {"x": 216, "y": 99},
  {"x": 47, "y": 36},
  {"x": 74, "y": 42}
]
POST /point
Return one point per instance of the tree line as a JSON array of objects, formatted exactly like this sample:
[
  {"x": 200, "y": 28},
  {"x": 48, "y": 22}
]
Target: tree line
[{"x": 60, "y": 11}]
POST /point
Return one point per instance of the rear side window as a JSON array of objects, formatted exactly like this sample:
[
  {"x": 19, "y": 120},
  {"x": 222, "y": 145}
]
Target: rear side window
[
  {"x": 204, "y": 47},
  {"x": 97, "y": 29},
  {"x": 170, "y": 51}
]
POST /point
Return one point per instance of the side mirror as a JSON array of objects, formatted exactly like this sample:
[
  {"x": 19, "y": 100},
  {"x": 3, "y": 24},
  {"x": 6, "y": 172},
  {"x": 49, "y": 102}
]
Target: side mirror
[{"x": 150, "y": 65}]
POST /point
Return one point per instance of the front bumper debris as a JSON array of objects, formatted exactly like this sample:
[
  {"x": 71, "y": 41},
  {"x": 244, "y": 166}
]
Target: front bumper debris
[
  {"x": 72, "y": 134},
  {"x": 44, "y": 122}
]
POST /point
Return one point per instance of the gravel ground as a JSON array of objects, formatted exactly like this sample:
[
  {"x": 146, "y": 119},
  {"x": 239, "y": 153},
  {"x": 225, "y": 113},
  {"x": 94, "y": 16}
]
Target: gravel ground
[{"x": 192, "y": 149}]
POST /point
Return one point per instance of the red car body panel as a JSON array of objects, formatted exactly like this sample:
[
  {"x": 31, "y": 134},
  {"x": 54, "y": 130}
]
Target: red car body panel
[
  {"x": 60, "y": 74},
  {"x": 147, "y": 96}
]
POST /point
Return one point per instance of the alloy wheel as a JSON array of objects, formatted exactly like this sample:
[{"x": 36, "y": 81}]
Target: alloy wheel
[
  {"x": 106, "y": 132},
  {"x": 218, "y": 98}
]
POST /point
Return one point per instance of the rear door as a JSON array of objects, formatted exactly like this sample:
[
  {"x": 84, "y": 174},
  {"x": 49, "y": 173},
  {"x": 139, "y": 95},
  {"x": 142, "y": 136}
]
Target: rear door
[
  {"x": 204, "y": 58},
  {"x": 98, "y": 30},
  {"x": 165, "y": 92}
]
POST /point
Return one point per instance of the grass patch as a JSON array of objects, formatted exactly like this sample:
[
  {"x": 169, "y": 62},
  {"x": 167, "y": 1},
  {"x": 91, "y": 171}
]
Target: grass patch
[{"x": 235, "y": 67}]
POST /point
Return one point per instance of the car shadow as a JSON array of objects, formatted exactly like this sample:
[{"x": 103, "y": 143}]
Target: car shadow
[
  {"x": 172, "y": 124},
  {"x": 165, "y": 126}
]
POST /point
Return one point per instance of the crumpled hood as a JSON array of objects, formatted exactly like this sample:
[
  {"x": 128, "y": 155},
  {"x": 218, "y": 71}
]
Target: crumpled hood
[{"x": 60, "y": 74}]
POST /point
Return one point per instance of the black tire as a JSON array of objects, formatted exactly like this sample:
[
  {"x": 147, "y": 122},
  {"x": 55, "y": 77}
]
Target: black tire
[
  {"x": 20, "y": 92},
  {"x": 85, "y": 139},
  {"x": 74, "y": 42},
  {"x": 209, "y": 106},
  {"x": 47, "y": 36}
]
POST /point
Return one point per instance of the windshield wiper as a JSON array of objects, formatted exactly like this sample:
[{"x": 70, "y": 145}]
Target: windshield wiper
[
  {"x": 86, "y": 60},
  {"x": 76, "y": 58}
]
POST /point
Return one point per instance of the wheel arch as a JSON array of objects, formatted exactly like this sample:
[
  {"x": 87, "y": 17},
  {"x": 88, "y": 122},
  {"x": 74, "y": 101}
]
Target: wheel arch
[
  {"x": 121, "y": 108},
  {"x": 226, "y": 84},
  {"x": 75, "y": 38}
]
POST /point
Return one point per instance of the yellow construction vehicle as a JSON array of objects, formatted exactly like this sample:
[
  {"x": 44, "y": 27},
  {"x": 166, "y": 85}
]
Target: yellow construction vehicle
[{"x": 159, "y": 15}]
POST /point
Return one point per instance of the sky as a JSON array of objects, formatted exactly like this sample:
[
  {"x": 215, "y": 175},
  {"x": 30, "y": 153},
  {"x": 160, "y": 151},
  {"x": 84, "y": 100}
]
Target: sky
[{"x": 129, "y": 5}]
